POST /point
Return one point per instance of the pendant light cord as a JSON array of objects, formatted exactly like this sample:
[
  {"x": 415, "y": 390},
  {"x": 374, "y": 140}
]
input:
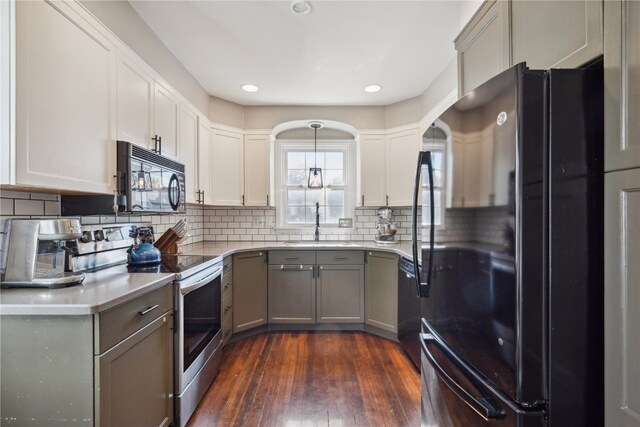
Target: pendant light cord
[{"x": 315, "y": 147}]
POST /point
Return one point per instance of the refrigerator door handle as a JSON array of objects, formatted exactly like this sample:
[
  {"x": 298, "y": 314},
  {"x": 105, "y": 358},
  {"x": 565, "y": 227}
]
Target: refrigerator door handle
[
  {"x": 424, "y": 158},
  {"x": 484, "y": 406}
]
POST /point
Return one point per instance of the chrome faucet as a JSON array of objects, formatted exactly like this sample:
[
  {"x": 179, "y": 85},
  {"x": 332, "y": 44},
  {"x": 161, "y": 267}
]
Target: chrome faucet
[{"x": 317, "y": 238}]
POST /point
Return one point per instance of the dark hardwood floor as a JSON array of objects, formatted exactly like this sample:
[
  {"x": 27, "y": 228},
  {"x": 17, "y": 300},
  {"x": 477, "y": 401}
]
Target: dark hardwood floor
[{"x": 312, "y": 379}]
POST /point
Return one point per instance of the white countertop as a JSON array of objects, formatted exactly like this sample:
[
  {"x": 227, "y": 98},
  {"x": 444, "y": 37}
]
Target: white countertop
[
  {"x": 107, "y": 288},
  {"x": 229, "y": 248},
  {"x": 99, "y": 291}
]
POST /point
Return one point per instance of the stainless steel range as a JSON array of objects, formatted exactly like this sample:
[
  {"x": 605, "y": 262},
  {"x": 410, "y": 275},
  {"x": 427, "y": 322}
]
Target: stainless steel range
[{"x": 197, "y": 306}]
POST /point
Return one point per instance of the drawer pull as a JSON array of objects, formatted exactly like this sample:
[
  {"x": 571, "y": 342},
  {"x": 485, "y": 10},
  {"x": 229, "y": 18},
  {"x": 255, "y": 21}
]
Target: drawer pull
[
  {"x": 227, "y": 309},
  {"x": 291, "y": 267},
  {"x": 227, "y": 265},
  {"x": 341, "y": 258},
  {"x": 148, "y": 310},
  {"x": 227, "y": 286},
  {"x": 291, "y": 257}
]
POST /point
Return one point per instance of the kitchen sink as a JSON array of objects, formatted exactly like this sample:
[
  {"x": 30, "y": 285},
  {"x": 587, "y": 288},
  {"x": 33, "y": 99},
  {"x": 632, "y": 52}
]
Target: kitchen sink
[{"x": 326, "y": 243}]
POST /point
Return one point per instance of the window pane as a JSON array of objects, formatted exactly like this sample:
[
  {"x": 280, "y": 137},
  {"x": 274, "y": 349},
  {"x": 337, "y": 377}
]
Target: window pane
[
  {"x": 311, "y": 214},
  {"x": 295, "y": 215},
  {"x": 437, "y": 178},
  {"x": 295, "y": 197},
  {"x": 333, "y": 176},
  {"x": 295, "y": 160},
  {"x": 311, "y": 160},
  {"x": 335, "y": 160},
  {"x": 333, "y": 213},
  {"x": 335, "y": 196},
  {"x": 297, "y": 177},
  {"x": 314, "y": 196}
]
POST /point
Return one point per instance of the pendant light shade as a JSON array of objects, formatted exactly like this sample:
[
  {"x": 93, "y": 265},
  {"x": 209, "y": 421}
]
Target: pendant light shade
[{"x": 315, "y": 173}]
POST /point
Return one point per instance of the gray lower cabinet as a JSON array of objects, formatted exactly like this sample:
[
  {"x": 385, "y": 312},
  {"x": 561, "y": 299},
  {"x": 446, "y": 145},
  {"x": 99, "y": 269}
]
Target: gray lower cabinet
[
  {"x": 340, "y": 294},
  {"x": 381, "y": 291},
  {"x": 135, "y": 378},
  {"x": 292, "y": 293},
  {"x": 114, "y": 368},
  {"x": 249, "y": 290},
  {"x": 556, "y": 34},
  {"x": 227, "y": 300}
]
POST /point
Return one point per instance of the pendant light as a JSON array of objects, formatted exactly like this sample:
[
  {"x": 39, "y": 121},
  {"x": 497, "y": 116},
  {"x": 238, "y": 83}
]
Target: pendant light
[{"x": 315, "y": 173}]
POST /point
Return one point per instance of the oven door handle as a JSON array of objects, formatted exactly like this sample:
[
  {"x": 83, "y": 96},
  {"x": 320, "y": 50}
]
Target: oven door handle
[
  {"x": 484, "y": 406},
  {"x": 200, "y": 283}
]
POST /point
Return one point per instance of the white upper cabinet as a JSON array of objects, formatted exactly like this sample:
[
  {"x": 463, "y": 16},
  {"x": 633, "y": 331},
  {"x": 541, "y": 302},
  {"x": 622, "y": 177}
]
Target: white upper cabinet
[
  {"x": 483, "y": 46},
  {"x": 256, "y": 169},
  {"x": 227, "y": 167},
  {"x": 205, "y": 162},
  {"x": 65, "y": 100},
  {"x": 401, "y": 154},
  {"x": 135, "y": 103},
  {"x": 372, "y": 170},
  {"x": 166, "y": 108},
  {"x": 188, "y": 139},
  {"x": 556, "y": 34}
]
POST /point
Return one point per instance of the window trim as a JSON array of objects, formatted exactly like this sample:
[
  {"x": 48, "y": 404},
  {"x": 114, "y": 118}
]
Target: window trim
[
  {"x": 282, "y": 146},
  {"x": 440, "y": 146}
]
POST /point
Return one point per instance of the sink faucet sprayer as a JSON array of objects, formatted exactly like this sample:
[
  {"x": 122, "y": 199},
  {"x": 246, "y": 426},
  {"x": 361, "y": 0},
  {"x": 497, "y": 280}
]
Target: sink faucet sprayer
[{"x": 317, "y": 238}]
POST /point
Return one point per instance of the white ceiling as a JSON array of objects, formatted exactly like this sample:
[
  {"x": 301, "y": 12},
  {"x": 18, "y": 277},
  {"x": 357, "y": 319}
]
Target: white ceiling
[{"x": 324, "y": 58}]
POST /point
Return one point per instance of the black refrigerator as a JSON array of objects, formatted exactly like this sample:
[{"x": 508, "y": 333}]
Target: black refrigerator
[{"x": 512, "y": 314}]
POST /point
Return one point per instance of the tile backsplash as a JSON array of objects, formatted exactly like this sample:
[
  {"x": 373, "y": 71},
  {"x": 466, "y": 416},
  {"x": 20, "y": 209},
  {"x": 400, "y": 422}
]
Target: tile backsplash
[
  {"x": 18, "y": 204},
  {"x": 258, "y": 223}
]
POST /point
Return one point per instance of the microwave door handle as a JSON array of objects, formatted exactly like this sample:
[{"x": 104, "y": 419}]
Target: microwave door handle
[
  {"x": 484, "y": 406},
  {"x": 174, "y": 182}
]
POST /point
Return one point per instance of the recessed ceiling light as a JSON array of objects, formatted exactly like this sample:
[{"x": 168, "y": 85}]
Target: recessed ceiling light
[
  {"x": 372, "y": 88},
  {"x": 249, "y": 88},
  {"x": 301, "y": 7}
]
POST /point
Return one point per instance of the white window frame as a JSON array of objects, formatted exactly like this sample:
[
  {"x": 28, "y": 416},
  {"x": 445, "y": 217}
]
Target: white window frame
[
  {"x": 440, "y": 146},
  {"x": 348, "y": 147}
]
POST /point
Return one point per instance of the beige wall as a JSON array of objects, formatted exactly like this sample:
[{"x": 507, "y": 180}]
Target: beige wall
[
  {"x": 403, "y": 112},
  {"x": 443, "y": 85},
  {"x": 226, "y": 112},
  {"x": 125, "y": 23},
  {"x": 266, "y": 117}
]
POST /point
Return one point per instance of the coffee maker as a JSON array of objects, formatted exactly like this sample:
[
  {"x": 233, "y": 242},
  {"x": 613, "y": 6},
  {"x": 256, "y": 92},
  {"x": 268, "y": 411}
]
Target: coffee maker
[
  {"x": 386, "y": 227},
  {"x": 34, "y": 253}
]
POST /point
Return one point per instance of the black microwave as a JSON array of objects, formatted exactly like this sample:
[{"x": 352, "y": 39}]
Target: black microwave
[{"x": 147, "y": 183}]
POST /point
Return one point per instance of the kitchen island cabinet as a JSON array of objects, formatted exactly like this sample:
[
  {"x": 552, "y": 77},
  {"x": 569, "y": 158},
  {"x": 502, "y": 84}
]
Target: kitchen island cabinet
[
  {"x": 292, "y": 293},
  {"x": 249, "y": 290},
  {"x": 114, "y": 367}
]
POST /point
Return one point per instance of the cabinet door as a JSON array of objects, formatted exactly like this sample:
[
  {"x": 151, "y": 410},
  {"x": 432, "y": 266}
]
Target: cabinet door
[
  {"x": 456, "y": 171},
  {"x": 227, "y": 168},
  {"x": 249, "y": 291},
  {"x": 166, "y": 110},
  {"x": 340, "y": 294},
  {"x": 622, "y": 298},
  {"x": 381, "y": 291},
  {"x": 372, "y": 170},
  {"x": 402, "y": 154},
  {"x": 483, "y": 46},
  {"x": 135, "y": 103},
  {"x": 134, "y": 379},
  {"x": 292, "y": 294},
  {"x": 65, "y": 100},
  {"x": 256, "y": 170},
  {"x": 205, "y": 158},
  {"x": 189, "y": 151},
  {"x": 622, "y": 84},
  {"x": 556, "y": 34}
]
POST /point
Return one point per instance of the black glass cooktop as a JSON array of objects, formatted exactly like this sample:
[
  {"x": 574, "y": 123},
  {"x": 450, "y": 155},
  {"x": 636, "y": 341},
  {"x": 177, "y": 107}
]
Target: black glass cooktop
[{"x": 184, "y": 265}]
